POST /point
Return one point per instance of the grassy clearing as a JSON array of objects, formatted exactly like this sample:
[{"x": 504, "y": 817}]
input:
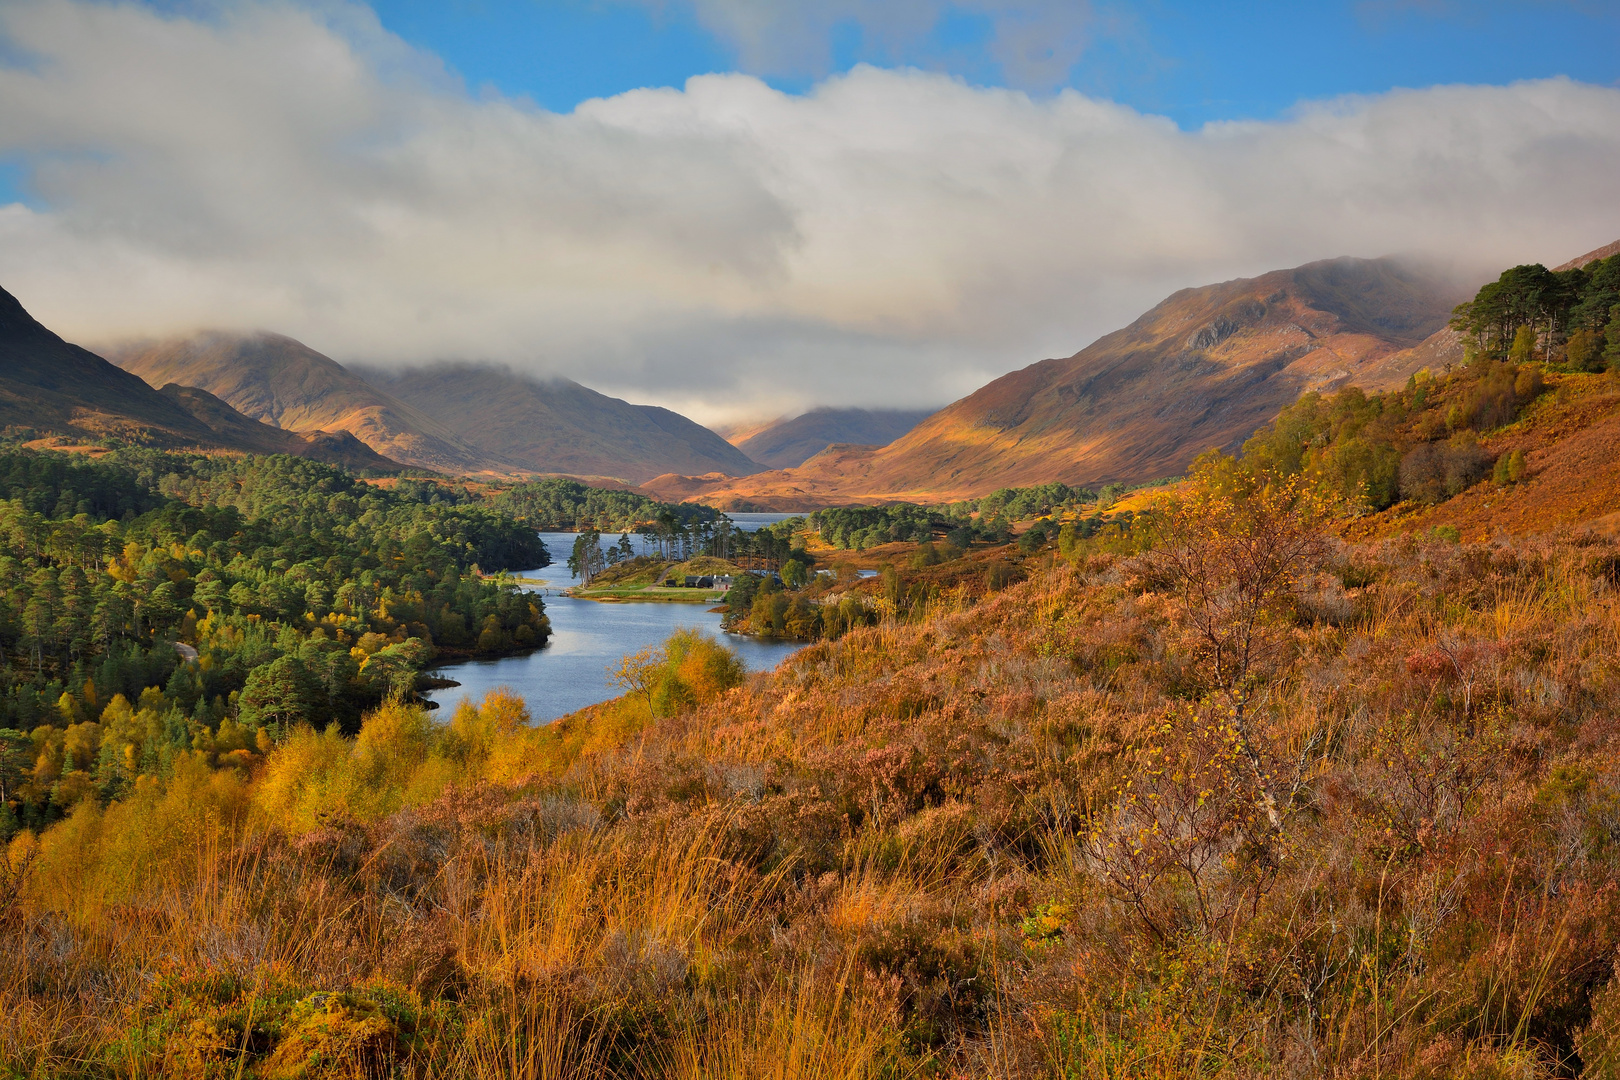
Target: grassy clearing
[
  {"x": 638, "y": 579},
  {"x": 652, "y": 594}
]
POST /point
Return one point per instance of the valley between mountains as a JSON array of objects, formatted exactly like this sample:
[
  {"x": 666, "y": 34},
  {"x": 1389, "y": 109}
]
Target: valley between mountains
[
  {"x": 1235, "y": 698},
  {"x": 1202, "y": 369}
]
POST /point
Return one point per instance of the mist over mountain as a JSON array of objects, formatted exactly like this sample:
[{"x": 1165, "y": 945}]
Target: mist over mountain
[
  {"x": 284, "y": 382},
  {"x": 557, "y": 425}
]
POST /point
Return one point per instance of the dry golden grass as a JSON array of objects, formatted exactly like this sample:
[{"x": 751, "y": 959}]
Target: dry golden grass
[{"x": 1010, "y": 838}]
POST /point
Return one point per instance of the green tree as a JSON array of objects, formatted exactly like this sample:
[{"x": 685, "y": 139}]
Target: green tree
[
  {"x": 278, "y": 696},
  {"x": 587, "y": 558},
  {"x": 16, "y": 761}
]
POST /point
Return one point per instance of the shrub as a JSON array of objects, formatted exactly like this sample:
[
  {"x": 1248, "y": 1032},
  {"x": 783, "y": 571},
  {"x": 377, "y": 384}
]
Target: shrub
[
  {"x": 926, "y": 555},
  {"x": 1496, "y": 397},
  {"x": 1510, "y": 468},
  {"x": 1584, "y": 350},
  {"x": 1527, "y": 384},
  {"x": 1434, "y": 472}
]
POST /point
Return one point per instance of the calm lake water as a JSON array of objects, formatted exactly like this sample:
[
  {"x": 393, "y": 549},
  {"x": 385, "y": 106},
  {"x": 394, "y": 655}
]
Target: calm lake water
[{"x": 589, "y": 637}]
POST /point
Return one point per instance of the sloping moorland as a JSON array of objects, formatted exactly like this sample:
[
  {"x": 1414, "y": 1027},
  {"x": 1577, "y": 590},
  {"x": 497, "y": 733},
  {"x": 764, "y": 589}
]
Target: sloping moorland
[
  {"x": 1088, "y": 825},
  {"x": 1207, "y": 790},
  {"x": 1020, "y": 838}
]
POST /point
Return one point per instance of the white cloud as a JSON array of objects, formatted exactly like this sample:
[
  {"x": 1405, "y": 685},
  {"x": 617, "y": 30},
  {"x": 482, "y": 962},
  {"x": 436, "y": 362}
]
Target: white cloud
[{"x": 888, "y": 237}]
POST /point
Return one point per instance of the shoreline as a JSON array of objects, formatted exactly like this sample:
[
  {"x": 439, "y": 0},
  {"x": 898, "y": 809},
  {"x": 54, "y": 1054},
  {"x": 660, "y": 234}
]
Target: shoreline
[{"x": 644, "y": 595}]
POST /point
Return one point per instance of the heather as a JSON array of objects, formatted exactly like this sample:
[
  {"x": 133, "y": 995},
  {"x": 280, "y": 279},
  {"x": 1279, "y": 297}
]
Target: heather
[{"x": 1234, "y": 799}]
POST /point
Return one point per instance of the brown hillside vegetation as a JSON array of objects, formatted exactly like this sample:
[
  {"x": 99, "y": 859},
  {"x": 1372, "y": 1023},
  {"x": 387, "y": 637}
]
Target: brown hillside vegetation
[
  {"x": 284, "y": 382},
  {"x": 1569, "y": 438},
  {"x": 231, "y": 428},
  {"x": 558, "y": 426},
  {"x": 1204, "y": 368},
  {"x": 1604, "y": 252},
  {"x": 47, "y": 384},
  {"x": 1247, "y": 803}
]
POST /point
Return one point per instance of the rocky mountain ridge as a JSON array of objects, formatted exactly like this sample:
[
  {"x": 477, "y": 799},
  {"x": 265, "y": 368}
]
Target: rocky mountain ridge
[{"x": 1204, "y": 368}]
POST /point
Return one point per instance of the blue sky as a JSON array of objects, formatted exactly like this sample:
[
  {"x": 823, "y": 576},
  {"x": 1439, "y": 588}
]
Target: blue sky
[
  {"x": 1192, "y": 61},
  {"x": 833, "y": 202}
]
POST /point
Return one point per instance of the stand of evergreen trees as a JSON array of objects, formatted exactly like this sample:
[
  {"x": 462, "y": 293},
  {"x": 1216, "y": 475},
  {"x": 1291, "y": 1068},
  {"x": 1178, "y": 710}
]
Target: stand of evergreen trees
[
  {"x": 1569, "y": 317},
  {"x": 861, "y": 527},
  {"x": 295, "y": 593},
  {"x": 558, "y": 505}
]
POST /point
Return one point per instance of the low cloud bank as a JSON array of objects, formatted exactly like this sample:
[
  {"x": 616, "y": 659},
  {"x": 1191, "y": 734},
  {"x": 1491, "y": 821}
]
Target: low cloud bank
[{"x": 888, "y": 238}]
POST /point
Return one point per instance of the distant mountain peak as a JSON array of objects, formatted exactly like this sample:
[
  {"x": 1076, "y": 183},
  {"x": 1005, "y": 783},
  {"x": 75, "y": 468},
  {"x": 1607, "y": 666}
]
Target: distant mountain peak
[
  {"x": 1205, "y": 367},
  {"x": 554, "y": 425},
  {"x": 789, "y": 443}
]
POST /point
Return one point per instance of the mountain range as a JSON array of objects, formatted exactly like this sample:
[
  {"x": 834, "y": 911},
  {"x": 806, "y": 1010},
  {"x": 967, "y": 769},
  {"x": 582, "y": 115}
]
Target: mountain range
[
  {"x": 1202, "y": 369},
  {"x": 48, "y": 386},
  {"x": 788, "y": 443},
  {"x": 455, "y": 418}
]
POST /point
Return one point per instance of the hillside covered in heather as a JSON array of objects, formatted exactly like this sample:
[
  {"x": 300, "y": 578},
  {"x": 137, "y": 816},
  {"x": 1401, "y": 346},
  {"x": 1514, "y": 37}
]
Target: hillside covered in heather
[
  {"x": 1301, "y": 764},
  {"x": 1185, "y": 786}
]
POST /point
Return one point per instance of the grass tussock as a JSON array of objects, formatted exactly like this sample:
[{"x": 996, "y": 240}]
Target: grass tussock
[{"x": 1081, "y": 827}]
